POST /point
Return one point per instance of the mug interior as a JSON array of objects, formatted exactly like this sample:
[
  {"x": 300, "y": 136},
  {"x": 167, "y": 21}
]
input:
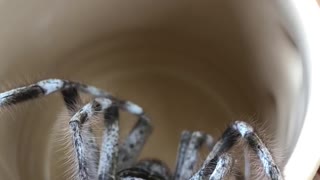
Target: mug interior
[{"x": 191, "y": 66}]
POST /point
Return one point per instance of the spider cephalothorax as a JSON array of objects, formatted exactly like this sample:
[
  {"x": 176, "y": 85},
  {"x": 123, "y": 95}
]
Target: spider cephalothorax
[{"x": 120, "y": 161}]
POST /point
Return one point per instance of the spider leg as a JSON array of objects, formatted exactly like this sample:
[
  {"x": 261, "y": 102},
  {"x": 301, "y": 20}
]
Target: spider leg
[
  {"x": 109, "y": 147},
  {"x": 76, "y": 122},
  {"x": 49, "y": 86},
  {"x": 190, "y": 156},
  {"x": 132, "y": 146},
  {"x": 84, "y": 143},
  {"x": 184, "y": 141},
  {"x": 223, "y": 167},
  {"x": 72, "y": 99},
  {"x": 230, "y": 137},
  {"x": 91, "y": 151}
]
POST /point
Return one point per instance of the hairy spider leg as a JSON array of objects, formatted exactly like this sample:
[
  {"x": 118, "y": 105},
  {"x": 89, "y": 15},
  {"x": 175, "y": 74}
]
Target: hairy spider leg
[
  {"x": 130, "y": 149},
  {"x": 49, "y": 86},
  {"x": 69, "y": 91},
  {"x": 76, "y": 123},
  {"x": 223, "y": 167},
  {"x": 72, "y": 100},
  {"x": 191, "y": 155},
  {"x": 132, "y": 146},
  {"x": 109, "y": 147},
  {"x": 230, "y": 137}
]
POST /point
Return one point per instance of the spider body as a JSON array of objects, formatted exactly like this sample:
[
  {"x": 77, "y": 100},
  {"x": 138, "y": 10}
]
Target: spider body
[{"x": 119, "y": 161}]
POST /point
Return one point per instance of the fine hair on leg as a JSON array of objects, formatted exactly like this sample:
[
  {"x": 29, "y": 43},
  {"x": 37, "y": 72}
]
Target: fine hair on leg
[
  {"x": 83, "y": 138},
  {"x": 72, "y": 99},
  {"x": 76, "y": 123},
  {"x": 230, "y": 137}
]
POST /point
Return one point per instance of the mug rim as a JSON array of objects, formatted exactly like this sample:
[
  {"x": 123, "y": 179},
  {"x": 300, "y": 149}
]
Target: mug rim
[{"x": 306, "y": 152}]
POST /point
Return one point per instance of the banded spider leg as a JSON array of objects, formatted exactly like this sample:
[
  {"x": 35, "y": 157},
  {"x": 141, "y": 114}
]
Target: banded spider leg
[
  {"x": 90, "y": 166},
  {"x": 217, "y": 162},
  {"x": 120, "y": 162}
]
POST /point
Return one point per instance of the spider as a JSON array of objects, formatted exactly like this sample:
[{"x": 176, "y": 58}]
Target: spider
[{"x": 115, "y": 161}]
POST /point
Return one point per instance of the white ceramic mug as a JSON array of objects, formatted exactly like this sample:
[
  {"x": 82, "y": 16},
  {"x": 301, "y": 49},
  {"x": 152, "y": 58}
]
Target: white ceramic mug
[{"x": 191, "y": 65}]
